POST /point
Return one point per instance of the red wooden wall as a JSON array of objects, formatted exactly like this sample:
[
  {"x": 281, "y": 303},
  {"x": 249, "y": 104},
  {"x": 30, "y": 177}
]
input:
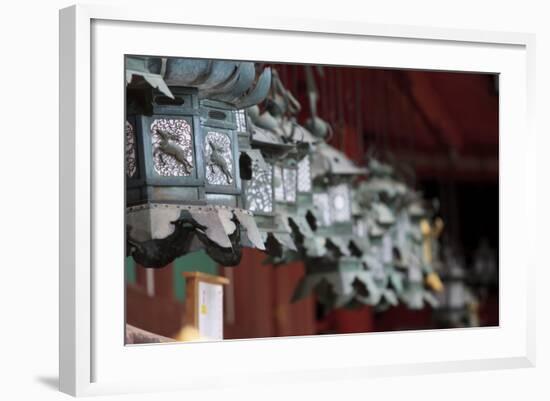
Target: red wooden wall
[{"x": 262, "y": 296}]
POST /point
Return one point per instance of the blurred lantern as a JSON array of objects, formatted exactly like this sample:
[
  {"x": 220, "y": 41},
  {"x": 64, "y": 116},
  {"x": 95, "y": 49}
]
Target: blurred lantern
[
  {"x": 266, "y": 188},
  {"x": 182, "y": 158},
  {"x": 284, "y": 146},
  {"x": 333, "y": 269},
  {"x": 417, "y": 251},
  {"x": 485, "y": 265},
  {"x": 375, "y": 198},
  {"x": 458, "y": 306}
]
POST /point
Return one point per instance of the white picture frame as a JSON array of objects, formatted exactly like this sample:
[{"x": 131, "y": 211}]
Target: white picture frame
[{"x": 93, "y": 358}]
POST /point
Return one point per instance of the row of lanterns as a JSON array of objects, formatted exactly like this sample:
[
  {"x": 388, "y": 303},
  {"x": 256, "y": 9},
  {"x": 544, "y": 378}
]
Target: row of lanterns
[{"x": 207, "y": 168}]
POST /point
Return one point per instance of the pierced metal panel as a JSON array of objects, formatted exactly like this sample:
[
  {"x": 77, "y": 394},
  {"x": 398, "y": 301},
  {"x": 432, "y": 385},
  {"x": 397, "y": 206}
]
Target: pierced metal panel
[
  {"x": 289, "y": 184},
  {"x": 278, "y": 184},
  {"x": 172, "y": 147},
  {"x": 340, "y": 205},
  {"x": 360, "y": 228},
  {"x": 240, "y": 119},
  {"x": 219, "y": 158},
  {"x": 321, "y": 202},
  {"x": 259, "y": 192},
  {"x": 131, "y": 155},
  {"x": 304, "y": 175}
]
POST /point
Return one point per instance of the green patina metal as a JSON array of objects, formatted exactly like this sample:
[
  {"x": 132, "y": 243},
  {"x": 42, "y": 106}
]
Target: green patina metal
[
  {"x": 183, "y": 132},
  {"x": 209, "y": 170}
]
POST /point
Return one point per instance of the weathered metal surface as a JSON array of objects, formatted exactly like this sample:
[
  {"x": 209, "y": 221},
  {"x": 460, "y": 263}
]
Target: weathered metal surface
[
  {"x": 211, "y": 91},
  {"x": 233, "y": 82},
  {"x": 158, "y": 233},
  {"x": 183, "y": 151},
  {"x": 328, "y": 160},
  {"x": 285, "y": 240},
  {"x": 218, "y": 226},
  {"x": 130, "y": 150},
  {"x": 141, "y": 67},
  {"x": 271, "y": 145},
  {"x": 160, "y": 252},
  {"x": 252, "y": 232},
  {"x": 258, "y": 93},
  {"x": 245, "y": 80},
  {"x": 149, "y": 222},
  {"x": 187, "y": 72},
  {"x": 220, "y": 73}
]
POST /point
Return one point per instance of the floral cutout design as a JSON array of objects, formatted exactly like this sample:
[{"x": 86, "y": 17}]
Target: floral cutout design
[
  {"x": 172, "y": 147},
  {"x": 259, "y": 192},
  {"x": 130, "y": 150}
]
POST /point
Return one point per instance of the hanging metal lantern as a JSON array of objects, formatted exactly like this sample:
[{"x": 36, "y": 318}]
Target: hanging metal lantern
[
  {"x": 421, "y": 278},
  {"x": 182, "y": 152},
  {"x": 372, "y": 224},
  {"x": 333, "y": 176},
  {"x": 380, "y": 198},
  {"x": 458, "y": 306},
  {"x": 333, "y": 269},
  {"x": 294, "y": 198},
  {"x": 283, "y": 144},
  {"x": 267, "y": 189}
]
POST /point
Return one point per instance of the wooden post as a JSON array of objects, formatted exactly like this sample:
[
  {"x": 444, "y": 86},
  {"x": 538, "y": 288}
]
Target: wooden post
[{"x": 204, "y": 302}]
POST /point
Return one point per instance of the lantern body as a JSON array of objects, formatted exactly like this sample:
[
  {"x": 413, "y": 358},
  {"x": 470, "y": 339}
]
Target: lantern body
[
  {"x": 458, "y": 306},
  {"x": 334, "y": 271},
  {"x": 169, "y": 167},
  {"x": 220, "y": 151},
  {"x": 187, "y": 152},
  {"x": 182, "y": 170},
  {"x": 272, "y": 185},
  {"x": 337, "y": 283}
]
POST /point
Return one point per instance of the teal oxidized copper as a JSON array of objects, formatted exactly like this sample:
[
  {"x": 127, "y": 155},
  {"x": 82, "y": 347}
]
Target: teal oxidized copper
[{"x": 183, "y": 132}]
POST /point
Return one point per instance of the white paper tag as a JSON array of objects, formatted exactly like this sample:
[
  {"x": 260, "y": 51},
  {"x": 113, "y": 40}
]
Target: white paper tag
[{"x": 210, "y": 311}]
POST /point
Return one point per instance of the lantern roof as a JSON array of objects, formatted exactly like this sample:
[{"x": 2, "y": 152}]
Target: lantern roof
[
  {"x": 239, "y": 84},
  {"x": 147, "y": 69},
  {"x": 279, "y": 119},
  {"x": 386, "y": 185},
  {"x": 384, "y": 215},
  {"x": 265, "y": 135},
  {"x": 330, "y": 161},
  {"x": 266, "y": 138},
  {"x": 377, "y": 168}
]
